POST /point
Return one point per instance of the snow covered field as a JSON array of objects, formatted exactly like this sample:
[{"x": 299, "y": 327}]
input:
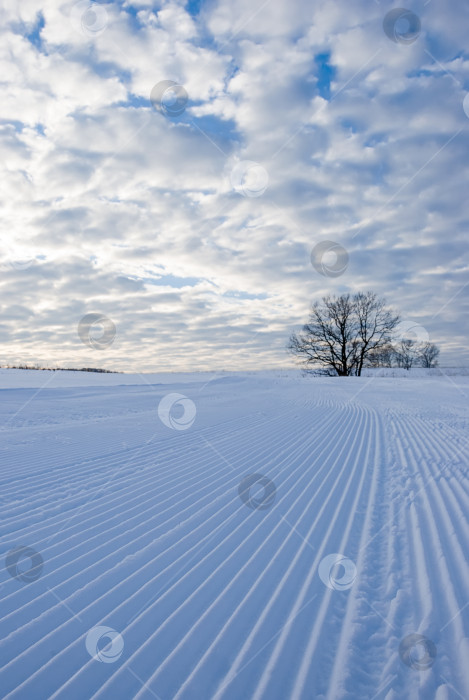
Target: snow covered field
[{"x": 162, "y": 569}]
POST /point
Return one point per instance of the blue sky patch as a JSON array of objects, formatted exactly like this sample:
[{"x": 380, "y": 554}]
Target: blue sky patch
[
  {"x": 325, "y": 73},
  {"x": 34, "y": 34}
]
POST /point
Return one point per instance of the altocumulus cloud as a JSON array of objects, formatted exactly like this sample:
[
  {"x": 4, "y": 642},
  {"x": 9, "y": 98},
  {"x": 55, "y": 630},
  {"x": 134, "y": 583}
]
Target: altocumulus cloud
[{"x": 112, "y": 206}]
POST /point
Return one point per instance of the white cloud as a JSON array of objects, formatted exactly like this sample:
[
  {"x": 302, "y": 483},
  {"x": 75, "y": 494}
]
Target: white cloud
[{"x": 132, "y": 214}]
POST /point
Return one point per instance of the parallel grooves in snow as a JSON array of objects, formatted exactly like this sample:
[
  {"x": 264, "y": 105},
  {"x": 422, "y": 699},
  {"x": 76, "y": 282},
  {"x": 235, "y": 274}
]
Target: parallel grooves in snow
[
  {"x": 18, "y": 658},
  {"x": 218, "y": 601}
]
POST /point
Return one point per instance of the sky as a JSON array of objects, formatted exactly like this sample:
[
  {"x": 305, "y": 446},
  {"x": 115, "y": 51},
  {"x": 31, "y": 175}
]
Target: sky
[{"x": 169, "y": 167}]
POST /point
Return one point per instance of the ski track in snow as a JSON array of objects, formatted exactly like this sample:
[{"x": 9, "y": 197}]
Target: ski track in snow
[{"x": 141, "y": 528}]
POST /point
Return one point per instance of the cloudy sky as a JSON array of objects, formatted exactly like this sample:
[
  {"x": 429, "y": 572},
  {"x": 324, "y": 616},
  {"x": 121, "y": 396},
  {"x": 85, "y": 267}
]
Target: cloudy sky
[{"x": 185, "y": 212}]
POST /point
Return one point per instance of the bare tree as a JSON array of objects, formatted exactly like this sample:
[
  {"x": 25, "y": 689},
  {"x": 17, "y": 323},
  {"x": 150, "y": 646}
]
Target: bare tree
[
  {"x": 375, "y": 323},
  {"x": 326, "y": 342},
  {"x": 428, "y": 355},
  {"x": 342, "y": 333},
  {"x": 381, "y": 357},
  {"x": 406, "y": 353}
]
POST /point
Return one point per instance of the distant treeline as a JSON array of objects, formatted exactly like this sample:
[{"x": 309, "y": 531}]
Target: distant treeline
[{"x": 62, "y": 369}]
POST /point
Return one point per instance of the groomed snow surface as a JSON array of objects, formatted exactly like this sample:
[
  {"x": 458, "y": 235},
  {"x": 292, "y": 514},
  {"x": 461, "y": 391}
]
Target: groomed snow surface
[{"x": 163, "y": 569}]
